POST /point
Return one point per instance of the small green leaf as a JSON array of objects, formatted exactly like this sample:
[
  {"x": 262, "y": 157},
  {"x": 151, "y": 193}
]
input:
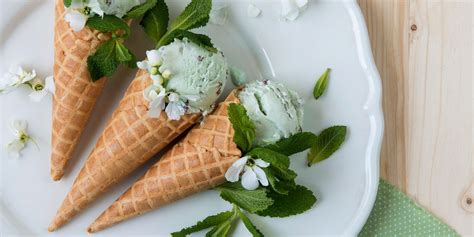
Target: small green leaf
[
  {"x": 321, "y": 84},
  {"x": 221, "y": 230},
  {"x": 296, "y": 202},
  {"x": 208, "y": 222},
  {"x": 327, "y": 143},
  {"x": 195, "y": 15},
  {"x": 122, "y": 52},
  {"x": 279, "y": 163},
  {"x": 202, "y": 40},
  {"x": 244, "y": 129},
  {"x": 133, "y": 62},
  {"x": 104, "y": 61},
  {"x": 279, "y": 186},
  {"x": 248, "y": 223},
  {"x": 250, "y": 200},
  {"x": 67, "y": 3},
  {"x": 155, "y": 21},
  {"x": 294, "y": 144},
  {"x": 139, "y": 10},
  {"x": 108, "y": 23},
  {"x": 274, "y": 158}
]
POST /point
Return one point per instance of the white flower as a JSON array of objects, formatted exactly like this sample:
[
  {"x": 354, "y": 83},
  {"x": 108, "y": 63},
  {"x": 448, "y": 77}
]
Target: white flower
[
  {"x": 155, "y": 94},
  {"x": 80, "y": 11},
  {"x": 291, "y": 9},
  {"x": 175, "y": 108},
  {"x": 253, "y": 11},
  {"x": 152, "y": 64},
  {"x": 40, "y": 90},
  {"x": 18, "y": 128},
  {"x": 252, "y": 172},
  {"x": 15, "y": 77}
]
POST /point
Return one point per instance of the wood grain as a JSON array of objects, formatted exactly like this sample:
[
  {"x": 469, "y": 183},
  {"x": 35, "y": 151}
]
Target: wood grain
[{"x": 424, "y": 52}]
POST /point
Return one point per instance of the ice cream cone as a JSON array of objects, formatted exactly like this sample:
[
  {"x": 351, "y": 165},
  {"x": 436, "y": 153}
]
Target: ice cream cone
[
  {"x": 75, "y": 94},
  {"x": 130, "y": 138},
  {"x": 195, "y": 164}
]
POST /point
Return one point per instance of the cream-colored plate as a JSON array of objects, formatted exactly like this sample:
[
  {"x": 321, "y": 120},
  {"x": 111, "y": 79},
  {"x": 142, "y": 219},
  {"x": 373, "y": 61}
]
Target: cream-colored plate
[{"x": 328, "y": 34}]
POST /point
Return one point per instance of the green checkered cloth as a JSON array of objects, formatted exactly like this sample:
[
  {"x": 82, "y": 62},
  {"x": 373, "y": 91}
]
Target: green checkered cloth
[{"x": 395, "y": 214}]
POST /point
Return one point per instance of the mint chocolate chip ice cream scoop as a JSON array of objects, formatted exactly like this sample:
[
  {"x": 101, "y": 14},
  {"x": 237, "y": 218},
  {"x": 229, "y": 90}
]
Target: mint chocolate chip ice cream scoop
[
  {"x": 195, "y": 73},
  {"x": 276, "y": 111}
]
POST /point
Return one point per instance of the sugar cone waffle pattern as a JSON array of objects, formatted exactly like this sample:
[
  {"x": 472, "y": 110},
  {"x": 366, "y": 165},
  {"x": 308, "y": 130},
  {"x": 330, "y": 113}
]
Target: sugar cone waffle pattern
[
  {"x": 129, "y": 139},
  {"x": 75, "y": 94},
  {"x": 195, "y": 164}
]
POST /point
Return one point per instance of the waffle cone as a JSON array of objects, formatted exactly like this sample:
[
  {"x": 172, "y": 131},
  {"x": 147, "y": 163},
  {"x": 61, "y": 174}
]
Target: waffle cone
[
  {"x": 75, "y": 94},
  {"x": 130, "y": 138},
  {"x": 195, "y": 164}
]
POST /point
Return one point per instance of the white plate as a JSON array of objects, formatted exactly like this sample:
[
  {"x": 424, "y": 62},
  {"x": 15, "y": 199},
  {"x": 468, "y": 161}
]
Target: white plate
[{"x": 328, "y": 34}]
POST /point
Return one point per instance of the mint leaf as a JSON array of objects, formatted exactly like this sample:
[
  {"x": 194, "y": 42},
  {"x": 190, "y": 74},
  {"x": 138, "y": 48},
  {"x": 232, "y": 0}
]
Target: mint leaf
[
  {"x": 208, "y": 222},
  {"x": 195, "y": 15},
  {"x": 221, "y": 230},
  {"x": 279, "y": 186},
  {"x": 250, "y": 200},
  {"x": 296, "y": 202},
  {"x": 250, "y": 226},
  {"x": 108, "y": 23},
  {"x": 155, "y": 21},
  {"x": 104, "y": 61},
  {"x": 67, "y": 3},
  {"x": 274, "y": 158},
  {"x": 202, "y": 40},
  {"x": 327, "y": 143},
  {"x": 139, "y": 10},
  {"x": 294, "y": 144},
  {"x": 244, "y": 129},
  {"x": 279, "y": 163},
  {"x": 321, "y": 84},
  {"x": 122, "y": 53}
]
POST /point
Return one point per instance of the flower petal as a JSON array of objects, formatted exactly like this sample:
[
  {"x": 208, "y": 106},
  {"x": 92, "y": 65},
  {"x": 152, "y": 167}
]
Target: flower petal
[
  {"x": 49, "y": 84},
  {"x": 261, "y": 163},
  {"x": 143, "y": 65},
  {"x": 233, "y": 173},
  {"x": 261, "y": 176},
  {"x": 37, "y": 96},
  {"x": 154, "y": 57},
  {"x": 173, "y": 97},
  {"x": 18, "y": 126},
  {"x": 249, "y": 179},
  {"x": 77, "y": 21},
  {"x": 174, "y": 110},
  {"x": 95, "y": 7},
  {"x": 15, "y": 147}
]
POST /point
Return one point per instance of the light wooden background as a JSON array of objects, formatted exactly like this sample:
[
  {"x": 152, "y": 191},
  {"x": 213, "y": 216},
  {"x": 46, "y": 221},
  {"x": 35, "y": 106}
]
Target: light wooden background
[{"x": 424, "y": 52}]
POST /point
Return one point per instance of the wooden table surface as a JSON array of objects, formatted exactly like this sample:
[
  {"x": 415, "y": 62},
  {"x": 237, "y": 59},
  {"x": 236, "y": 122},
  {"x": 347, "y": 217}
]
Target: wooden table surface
[{"x": 424, "y": 52}]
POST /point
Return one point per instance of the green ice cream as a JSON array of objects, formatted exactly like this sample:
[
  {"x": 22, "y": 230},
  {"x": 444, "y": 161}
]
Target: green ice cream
[
  {"x": 197, "y": 74},
  {"x": 276, "y": 111},
  {"x": 118, "y": 7}
]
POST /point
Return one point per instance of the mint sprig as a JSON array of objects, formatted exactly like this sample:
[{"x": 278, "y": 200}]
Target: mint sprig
[
  {"x": 244, "y": 129},
  {"x": 250, "y": 200},
  {"x": 326, "y": 144},
  {"x": 321, "y": 84},
  {"x": 155, "y": 21},
  {"x": 109, "y": 24},
  {"x": 202, "y": 40},
  {"x": 221, "y": 223},
  {"x": 208, "y": 222},
  {"x": 297, "y": 201},
  {"x": 107, "y": 57},
  {"x": 294, "y": 144}
]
